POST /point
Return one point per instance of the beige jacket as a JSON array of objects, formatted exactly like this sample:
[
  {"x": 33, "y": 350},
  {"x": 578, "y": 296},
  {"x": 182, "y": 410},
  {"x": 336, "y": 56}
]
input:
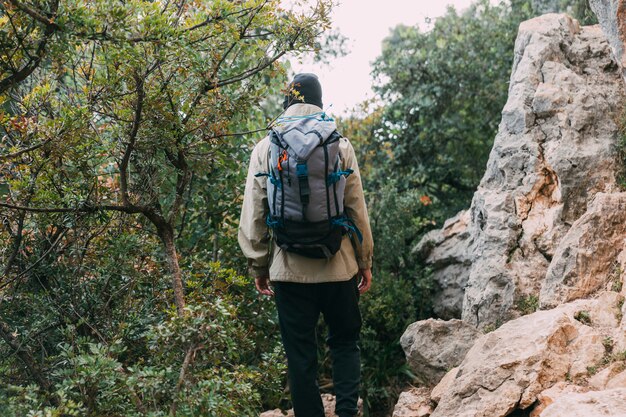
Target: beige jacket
[{"x": 263, "y": 254}]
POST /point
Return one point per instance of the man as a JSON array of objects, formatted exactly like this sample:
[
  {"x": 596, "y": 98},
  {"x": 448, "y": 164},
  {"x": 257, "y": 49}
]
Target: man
[{"x": 305, "y": 287}]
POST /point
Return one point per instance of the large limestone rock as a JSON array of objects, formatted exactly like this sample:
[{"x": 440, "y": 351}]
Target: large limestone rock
[
  {"x": 612, "y": 16},
  {"x": 609, "y": 403},
  {"x": 447, "y": 251},
  {"x": 555, "y": 150},
  {"x": 413, "y": 403},
  {"x": 536, "y": 359},
  {"x": 432, "y": 347},
  {"x": 585, "y": 260},
  {"x": 508, "y": 368}
]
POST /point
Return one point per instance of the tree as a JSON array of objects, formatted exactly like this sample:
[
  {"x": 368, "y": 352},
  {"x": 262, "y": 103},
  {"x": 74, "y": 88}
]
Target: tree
[
  {"x": 140, "y": 94},
  {"x": 123, "y": 130}
]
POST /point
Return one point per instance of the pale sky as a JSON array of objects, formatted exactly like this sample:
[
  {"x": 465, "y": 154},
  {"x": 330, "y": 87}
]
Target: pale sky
[{"x": 347, "y": 81}]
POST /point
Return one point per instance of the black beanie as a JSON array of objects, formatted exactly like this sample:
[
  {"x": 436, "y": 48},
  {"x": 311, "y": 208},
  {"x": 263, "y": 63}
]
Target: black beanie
[{"x": 309, "y": 90}]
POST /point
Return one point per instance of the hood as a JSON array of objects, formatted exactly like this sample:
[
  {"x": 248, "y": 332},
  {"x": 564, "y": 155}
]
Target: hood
[{"x": 304, "y": 133}]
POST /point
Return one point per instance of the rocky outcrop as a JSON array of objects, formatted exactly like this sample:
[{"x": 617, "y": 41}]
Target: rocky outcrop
[
  {"x": 446, "y": 250},
  {"x": 512, "y": 367},
  {"x": 546, "y": 229},
  {"x": 612, "y": 16},
  {"x": 554, "y": 152},
  {"x": 432, "y": 347}
]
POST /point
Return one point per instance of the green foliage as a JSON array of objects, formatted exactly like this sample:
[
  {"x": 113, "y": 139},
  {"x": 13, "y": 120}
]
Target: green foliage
[
  {"x": 583, "y": 316},
  {"x": 201, "y": 363},
  {"x": 528, "y": 304},
  {"x": 444, "y": 90},
  {"x": 122, "y": 159}
]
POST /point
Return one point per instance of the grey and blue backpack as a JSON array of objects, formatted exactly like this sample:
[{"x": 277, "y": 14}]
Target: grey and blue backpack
[{"x": 305, "y": 186}]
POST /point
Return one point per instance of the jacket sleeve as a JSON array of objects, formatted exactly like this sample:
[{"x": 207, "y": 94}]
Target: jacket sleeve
[
  {"x": 253, "y": 236},
  {"x": 356, "y": 209}
]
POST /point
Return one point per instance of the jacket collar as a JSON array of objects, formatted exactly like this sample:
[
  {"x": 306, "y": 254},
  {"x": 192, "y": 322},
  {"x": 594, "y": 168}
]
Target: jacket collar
[{"x": 301, "y": 109}]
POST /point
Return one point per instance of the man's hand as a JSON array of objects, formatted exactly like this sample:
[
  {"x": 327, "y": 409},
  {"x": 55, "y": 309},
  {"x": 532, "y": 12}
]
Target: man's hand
[
  {"x": 365, "y": 280},
  {"x": 263, "y": 285}
]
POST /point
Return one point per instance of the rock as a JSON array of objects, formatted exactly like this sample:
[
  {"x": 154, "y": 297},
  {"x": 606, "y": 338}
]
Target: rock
[
  {"x": 444, "y": 385},
  {"x": 432, "y": 347},
  {"x": 619, "y": 380},
  {"x": 413, "y": 403},
  {"x": 555, "y": 150},
  {"x": 329, "y": 408},
  {"x": 446, "y": 250},
  {"x": 612, "y": 17},
  {"x": 610, "y": 403},
  {"x": 548, "y": 396},
  {"x": 589, "y": 350},
  {"x": 508, "y": 368},
  {"x": 584, "y": 261},
  {"x": 609, "y": 377},
  {"x": 547, "y": 162}
]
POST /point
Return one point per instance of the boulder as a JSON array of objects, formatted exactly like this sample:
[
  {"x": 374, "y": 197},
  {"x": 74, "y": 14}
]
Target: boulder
[
  {"x": 444, "y": 385},
  {"x": 446, "y": 251},
  {"x": 508, "y": 368},
  {"x": 617, "y": 381},
  {"x": 432, "y": 347},
  {"x": 554, "y": 152},
  {"x": 548, "y": 396},
  {"x": 612, "y": 376},
  {"x": 413, "y": 403},
  {"x": 585, "y": 259},
  {"x": 612, "y": 17},
  {"x": 609, "y": 403}
]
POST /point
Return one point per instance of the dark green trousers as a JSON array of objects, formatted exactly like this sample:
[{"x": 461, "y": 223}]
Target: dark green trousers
[{"x": 299, "y": 307}]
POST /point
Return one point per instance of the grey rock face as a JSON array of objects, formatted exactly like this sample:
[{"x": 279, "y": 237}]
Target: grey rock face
[
  {"x": 612, "y": 17},
  {"x": 555, "y": 150},
  {"x": 447, "y": 251},
  {"x": 585, "y": 260},
  {"x": 432, "y": 347}
]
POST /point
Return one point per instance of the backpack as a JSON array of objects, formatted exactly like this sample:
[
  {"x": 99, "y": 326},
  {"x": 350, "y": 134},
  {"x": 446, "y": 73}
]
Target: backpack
[{"x": 305, "y": 187}]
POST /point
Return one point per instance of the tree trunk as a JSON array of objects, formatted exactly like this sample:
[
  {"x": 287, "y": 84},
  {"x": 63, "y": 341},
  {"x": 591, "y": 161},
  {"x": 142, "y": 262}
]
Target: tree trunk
[
  {"x": 167, "y": 237},
  {"x": 216, "y": 244}
]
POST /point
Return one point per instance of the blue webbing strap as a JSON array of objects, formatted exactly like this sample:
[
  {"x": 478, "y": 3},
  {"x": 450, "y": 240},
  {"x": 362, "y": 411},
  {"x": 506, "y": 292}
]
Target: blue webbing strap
[
  {"x": 349, "y": 224},
  {"x": 333, "y": 177},
  {"x": 302, "y": 171},
  {"x": 275, "y": 181}
]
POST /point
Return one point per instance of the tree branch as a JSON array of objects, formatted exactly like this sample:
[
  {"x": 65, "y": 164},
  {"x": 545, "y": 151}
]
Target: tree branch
[
  {"x": 123, "y": 165},
  {"x": 26, "y": 357},
  {"x": 23, "y": 151},
  {"x": 37, "y": 15},
  {"x": 34, "y": 62},
  {"x": 83, "y": 209}
]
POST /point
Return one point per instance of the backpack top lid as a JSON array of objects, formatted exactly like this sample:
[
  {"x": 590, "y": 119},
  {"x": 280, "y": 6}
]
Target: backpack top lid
[{"x": 304, "y": 133}]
